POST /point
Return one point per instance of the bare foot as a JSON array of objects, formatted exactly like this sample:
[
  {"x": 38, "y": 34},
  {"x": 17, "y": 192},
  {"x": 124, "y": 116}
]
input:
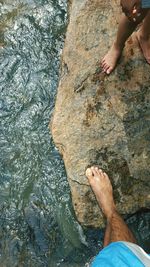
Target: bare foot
[
  {"x": 102, "y": 189},
  {"x": 144, "y": 44},
  {"x": 109, "y": 61}
]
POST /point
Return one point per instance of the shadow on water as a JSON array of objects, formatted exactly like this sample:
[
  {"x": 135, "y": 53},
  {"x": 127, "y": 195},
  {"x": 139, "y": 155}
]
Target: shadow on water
[{"x": 37, "y": 223}]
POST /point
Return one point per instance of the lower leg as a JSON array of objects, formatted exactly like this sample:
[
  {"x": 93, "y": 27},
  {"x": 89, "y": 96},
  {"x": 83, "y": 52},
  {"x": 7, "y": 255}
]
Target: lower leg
[
  {"x": 145, "y": 28},
  {"x": 143, "y": 36},
  {"x": 125, "y": 29},
  {"x": 107, "y": 235},
  {"x": 119, "y": 230},
  {"x": 116, "y": 229}
]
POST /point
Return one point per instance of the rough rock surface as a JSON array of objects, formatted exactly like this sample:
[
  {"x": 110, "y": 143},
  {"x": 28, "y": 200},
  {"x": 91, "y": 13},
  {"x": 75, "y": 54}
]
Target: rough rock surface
[{"x": 100, "y": 119}]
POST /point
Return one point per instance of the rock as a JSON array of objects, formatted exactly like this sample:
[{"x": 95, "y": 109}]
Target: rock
[{"x": 100, "y": 119}]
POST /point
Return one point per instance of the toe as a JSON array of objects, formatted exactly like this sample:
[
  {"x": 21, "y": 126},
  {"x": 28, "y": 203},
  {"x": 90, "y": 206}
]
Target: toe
[
  {"x": 109, "y": 70},
  {"x": 101, "y": 173},
  {"x": 106, "y": 176},
  {"x": 98, "y": 172},
  {"x": 94, "y": 170},
  {"x": 89, "y": 173},
  {"x": 103, "y": 63},
  {"x": 106, "y": 68},
  {"x": 103, "y": 60}
]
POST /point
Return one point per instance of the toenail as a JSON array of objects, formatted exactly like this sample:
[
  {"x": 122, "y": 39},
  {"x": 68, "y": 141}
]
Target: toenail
[{"x": 88, "y": 172}]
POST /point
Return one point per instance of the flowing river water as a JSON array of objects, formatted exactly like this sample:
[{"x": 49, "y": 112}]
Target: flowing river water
[{"x": 37, "y": 222}]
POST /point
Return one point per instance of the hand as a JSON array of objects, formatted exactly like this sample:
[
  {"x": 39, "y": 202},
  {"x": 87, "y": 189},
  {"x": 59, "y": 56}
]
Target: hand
[{"x": 132, "y": 9}]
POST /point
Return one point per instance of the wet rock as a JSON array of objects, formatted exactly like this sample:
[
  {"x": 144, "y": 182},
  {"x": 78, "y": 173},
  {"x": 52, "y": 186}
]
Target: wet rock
[{"x": 100, "y": 119}]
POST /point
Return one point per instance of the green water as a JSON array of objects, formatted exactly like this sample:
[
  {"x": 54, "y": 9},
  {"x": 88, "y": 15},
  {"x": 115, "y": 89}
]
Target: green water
[
  {"x": 37, "y": 223},
  {"x": 36, "y": 220}
]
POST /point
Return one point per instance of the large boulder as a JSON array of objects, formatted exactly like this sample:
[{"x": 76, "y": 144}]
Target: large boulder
[{"x": 99, "y": 119}]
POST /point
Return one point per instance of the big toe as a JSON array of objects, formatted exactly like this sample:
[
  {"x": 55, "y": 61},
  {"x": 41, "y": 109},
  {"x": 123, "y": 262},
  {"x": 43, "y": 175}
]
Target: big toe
[
  {"x": 109, "y": 70},
  {"x": 89, "y": 173}
]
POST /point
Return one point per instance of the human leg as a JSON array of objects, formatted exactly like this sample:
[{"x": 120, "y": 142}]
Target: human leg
[
  {"x": 143, "y": 36},
  {"x": 125, "y": 29},
  {"x": 119, "y": 230},
  {"x": 116, "y": 229}
]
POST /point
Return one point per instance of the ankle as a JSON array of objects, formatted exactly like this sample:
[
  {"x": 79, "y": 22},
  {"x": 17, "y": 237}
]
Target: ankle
[
  {"x": 111, "y": 213},
  {"x": 118, "y": 47}
]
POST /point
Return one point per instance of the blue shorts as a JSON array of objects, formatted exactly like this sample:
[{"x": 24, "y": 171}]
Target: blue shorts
[
  {"x": 145, "y": 3},
  {"x": 122, "y": 254}
]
